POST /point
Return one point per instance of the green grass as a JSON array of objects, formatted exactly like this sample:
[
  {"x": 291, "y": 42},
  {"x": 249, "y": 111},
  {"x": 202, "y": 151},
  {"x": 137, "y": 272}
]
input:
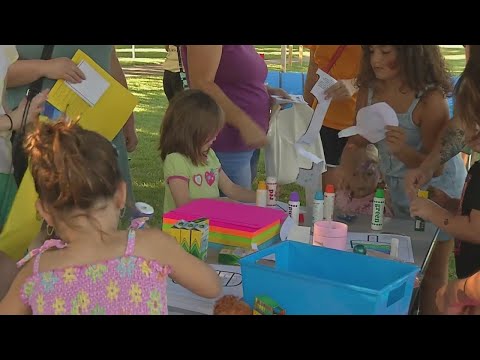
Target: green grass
[{"x": 145, "y": 164}]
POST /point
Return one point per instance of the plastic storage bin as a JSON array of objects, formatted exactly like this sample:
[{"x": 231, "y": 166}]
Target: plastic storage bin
[{"x": 309, "y": 279}]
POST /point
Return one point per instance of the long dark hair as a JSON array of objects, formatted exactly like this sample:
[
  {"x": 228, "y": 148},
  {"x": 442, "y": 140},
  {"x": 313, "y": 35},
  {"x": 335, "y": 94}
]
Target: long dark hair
[
  {"x": 467, "y": 91},
  {"x": 421, "y": 65},
  {"x": 191, "y": 119}
]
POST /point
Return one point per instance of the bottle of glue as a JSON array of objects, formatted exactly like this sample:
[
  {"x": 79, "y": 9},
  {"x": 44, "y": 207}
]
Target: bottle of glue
[
  {"x": 261, "y": 199},
  {"x": 329, "y": 202},
  {"x": 294, "y": 207}
]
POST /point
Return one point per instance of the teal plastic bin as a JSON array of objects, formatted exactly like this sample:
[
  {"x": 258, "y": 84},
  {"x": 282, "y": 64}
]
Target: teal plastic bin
[{"x": 310, "y": 279}]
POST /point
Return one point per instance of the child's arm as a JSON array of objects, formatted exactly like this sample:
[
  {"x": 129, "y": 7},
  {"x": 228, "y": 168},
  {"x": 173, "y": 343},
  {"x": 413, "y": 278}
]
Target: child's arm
[
  {"x": 177, "y": 176},
  {"x": 466, "y": 228},
  {"x": 234, "y": 191},
  {"x": 457, "y": 295},
  {"x": 12, "y": 303},
  {"x": 444, "y": 200},
  {"x": 179, "y": 189},
  {"x": 8, "y": 270},
  {"x": 187, "y": 270},
  {"x": 433, "y": 116}
]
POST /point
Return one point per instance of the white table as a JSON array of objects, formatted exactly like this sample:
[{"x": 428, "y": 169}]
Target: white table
[
  {"x": 422, "y": 241},
  {"x": 182, "y": 301}
]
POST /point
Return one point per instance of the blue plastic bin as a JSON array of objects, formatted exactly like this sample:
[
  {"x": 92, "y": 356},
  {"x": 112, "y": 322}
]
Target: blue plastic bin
[{"x": 310, "y": 279}]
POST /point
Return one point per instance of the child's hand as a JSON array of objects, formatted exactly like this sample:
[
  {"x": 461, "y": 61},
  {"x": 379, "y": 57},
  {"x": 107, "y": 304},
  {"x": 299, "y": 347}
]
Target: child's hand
[
  {"x": 395, "y": 137},
  {"x": 422, "y": 208},
  {"x": 438, "y": 196},
  {"x": 448, "y": 301},
  {"x": 342, "y": 89}
]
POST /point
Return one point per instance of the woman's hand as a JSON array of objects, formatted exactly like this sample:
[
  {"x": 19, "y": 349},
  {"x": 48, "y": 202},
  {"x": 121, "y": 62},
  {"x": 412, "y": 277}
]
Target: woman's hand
[
  {"x": 65, "y": 69},
  {"x": 36, "y": 107}
]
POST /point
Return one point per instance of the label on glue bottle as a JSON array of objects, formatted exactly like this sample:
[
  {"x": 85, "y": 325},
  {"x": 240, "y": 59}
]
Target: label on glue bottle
[
  {"x": 271, "y": 191},
  {"x": 317, "y": 211},
  {"x": 294, "y": 207},
  {"x": 378, "y": 210},
  {"x": 329, "y": 202}
]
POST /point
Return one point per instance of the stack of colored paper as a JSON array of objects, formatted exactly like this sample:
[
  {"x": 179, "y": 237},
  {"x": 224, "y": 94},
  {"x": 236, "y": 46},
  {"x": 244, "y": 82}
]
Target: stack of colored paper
[{"x": 231, "y": 224}]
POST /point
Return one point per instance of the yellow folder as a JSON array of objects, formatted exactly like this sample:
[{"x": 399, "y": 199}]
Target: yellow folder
[{"x": 107, "y": 117}]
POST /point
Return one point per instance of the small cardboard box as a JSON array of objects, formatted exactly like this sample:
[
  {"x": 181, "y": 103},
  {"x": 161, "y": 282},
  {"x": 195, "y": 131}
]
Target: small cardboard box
[{"x": 192, "y": 236}]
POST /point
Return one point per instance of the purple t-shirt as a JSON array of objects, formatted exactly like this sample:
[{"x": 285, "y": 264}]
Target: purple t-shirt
[{"x": 241, "y": 75}]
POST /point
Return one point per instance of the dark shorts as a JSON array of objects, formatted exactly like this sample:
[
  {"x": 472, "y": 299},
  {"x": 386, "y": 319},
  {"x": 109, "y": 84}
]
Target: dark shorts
[
  {"x": 172, "y": 84},
  {"x": 332, "y": 145}
]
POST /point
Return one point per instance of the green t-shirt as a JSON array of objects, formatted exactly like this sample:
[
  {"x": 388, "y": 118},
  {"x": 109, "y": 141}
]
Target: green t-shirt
[
  {"x": 202, "y": 180},
  {"x": 101, "y": 54}
]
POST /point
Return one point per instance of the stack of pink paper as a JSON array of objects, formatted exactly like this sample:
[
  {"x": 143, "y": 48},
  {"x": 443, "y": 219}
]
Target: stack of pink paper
[{"x": 231, "y": 223}]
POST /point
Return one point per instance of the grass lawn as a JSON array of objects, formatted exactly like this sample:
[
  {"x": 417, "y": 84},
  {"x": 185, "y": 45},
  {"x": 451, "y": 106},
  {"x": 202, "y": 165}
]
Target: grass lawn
[{"x": 147, "y": 86}]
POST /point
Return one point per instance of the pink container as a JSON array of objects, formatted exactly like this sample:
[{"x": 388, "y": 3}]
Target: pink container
[{"x": 331, "y": 234}]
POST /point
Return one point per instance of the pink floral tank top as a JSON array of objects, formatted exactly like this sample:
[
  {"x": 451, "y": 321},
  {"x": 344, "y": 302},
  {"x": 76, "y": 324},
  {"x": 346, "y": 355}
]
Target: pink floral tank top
[{"x": 125, "y": 285}]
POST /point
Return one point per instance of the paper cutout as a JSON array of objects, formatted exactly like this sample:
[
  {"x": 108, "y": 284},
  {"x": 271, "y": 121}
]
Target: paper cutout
[{"x": 371, "y": 122}]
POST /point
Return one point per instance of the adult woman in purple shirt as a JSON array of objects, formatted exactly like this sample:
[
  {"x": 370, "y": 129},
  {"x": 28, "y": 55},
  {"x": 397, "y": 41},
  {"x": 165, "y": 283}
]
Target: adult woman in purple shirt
[{"x": 234, "y": 75}]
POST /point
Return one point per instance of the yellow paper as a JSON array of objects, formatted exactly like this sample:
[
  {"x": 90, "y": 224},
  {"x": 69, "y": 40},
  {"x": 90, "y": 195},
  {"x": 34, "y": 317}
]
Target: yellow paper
[{"x": 107, "y": 118}]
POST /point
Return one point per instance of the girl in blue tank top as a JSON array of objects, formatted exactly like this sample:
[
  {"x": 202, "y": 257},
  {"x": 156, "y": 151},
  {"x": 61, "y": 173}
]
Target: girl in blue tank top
[{"x": 413, "y": 81}]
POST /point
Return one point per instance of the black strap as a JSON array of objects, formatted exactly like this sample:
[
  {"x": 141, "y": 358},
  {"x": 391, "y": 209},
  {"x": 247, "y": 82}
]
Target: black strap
[
  {"x": 36, "y": 86},
  {"x": 183, "y": 75}
]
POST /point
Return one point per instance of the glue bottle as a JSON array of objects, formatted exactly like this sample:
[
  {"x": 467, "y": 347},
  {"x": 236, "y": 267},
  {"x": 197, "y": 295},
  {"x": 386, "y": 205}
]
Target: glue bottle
[
  {"x": 317, "y": 212},
  {"x": 419, "y": 222},
  {"x": 329, "y": 202},
  {"x": 294, "y": 207},
  {"x": 261, "y": 199},
  {"x": 378, "y": 210},
  {"x": 272, "y": 191}
]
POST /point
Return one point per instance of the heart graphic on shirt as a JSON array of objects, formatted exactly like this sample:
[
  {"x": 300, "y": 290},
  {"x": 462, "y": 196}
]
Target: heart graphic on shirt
[
  {"x": 197, "y": 179},
  {"x": 210, "y": 177}
]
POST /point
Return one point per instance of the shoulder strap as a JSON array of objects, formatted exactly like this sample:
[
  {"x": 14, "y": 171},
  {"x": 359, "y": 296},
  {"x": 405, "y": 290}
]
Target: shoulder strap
[
  {"x": 59, "y": 244},
  {"x": 183, "y": 75},
  {"x": 130, "y": 242},
  {"x": 329, "y": 66},
  {"x": 334, "y": 58},
  {"x": 36, "y": 86}
]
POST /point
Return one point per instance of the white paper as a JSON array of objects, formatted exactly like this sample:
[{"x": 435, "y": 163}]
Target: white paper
[
  {"x": 300, "y": 234},
  {"x": 182, "y": 301},
  {"x": 324, "y": 82},
  {"x": 93, "y": 87},
  {"x": 318, "y": 90},
  {"x": 371, "y": 122},
  {"x": 287, "y": 226},
  {"x": 306, "y": 154},
  {"x": 309, "y": 178},
  {"x": 293, "y": 99},
  {"x": 405, "y": 251}
]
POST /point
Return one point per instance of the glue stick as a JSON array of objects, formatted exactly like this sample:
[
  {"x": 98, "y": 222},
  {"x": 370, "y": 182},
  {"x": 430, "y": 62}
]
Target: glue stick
[{"x": 419, "y": 222}]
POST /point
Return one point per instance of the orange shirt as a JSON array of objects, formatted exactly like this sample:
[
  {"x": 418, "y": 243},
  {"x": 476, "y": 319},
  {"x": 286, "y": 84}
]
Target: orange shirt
[{"x": 341, "y": 113}]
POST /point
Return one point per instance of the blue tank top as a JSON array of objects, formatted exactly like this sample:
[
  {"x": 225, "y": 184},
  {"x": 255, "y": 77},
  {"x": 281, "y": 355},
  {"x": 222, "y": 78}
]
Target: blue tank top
[{"x": 393, "y": 170}]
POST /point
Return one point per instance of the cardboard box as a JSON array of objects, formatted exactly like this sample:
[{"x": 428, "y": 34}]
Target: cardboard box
[{"x": 192, "y": 236}]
